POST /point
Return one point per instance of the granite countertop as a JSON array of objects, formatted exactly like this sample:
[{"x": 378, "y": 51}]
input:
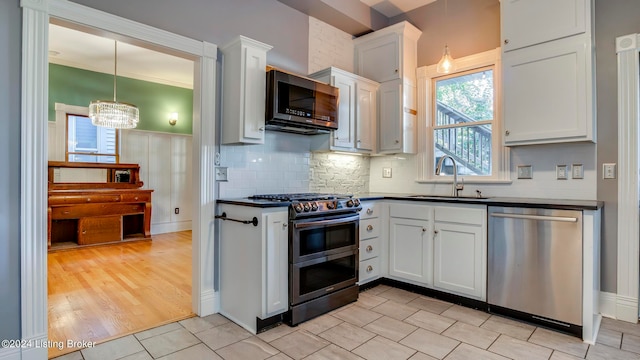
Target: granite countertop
[{"x": 565, "y": 204}]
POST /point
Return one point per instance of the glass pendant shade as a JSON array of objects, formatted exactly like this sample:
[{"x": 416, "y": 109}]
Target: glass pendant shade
[
  {"x": 446, "y": 64},
  {"x": 113, "y": 114}
]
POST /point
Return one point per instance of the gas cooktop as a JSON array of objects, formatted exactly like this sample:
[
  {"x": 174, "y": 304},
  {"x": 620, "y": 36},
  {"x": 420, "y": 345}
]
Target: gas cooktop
[{"x": 300, "y": 197}]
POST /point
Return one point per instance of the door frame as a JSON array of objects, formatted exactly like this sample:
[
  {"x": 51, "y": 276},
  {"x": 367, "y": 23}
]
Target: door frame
[
  {"x": 33, "y": 199},
  {"x": 628, "y": 50}
]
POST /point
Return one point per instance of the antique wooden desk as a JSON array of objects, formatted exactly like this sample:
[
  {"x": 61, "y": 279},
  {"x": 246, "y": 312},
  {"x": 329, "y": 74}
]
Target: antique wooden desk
[{"x": 87, "y": 213}]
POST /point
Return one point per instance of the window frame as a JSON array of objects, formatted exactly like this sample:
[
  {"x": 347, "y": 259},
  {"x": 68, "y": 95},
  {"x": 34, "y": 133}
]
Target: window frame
[
  {"x": 96, "y": 153},
  {"x": 500, "y": 154}
]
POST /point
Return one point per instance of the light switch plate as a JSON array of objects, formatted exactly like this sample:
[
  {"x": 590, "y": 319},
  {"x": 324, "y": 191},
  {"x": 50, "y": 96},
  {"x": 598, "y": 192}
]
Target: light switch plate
[
  {"x": 577, "y": 171},
  {"x": 561, "y": 172},
  {"x": 525, "y": 172},
  {"x": 609, "y": 171},
  {"x": 386, "y": 172}
]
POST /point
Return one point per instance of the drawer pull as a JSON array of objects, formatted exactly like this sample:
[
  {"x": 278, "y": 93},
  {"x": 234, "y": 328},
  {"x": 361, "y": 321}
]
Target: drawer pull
[
  {"x": 135, "y": 198},
  {"x": 369, "y": 227},
  {"x": 369, "y": 211},
  {"x": 369, "y": 248},
  {"x": 369, "y": 268}
]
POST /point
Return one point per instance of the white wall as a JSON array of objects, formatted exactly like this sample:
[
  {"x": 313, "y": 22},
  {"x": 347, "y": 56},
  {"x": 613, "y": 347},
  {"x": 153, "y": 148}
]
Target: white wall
[{"x": 542, "y": 158}]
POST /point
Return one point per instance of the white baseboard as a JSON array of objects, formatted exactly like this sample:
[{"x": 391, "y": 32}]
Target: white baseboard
[
  {"x": 164, "y": 228},
  {"x": 9, "y": 353},
  {"x": 608, "y": 304},
  {"x": 619, "y": 307},
  {"x": 209, "y": 302}
]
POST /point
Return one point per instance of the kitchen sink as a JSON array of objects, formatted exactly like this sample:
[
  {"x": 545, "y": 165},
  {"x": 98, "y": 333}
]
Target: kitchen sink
[{"x": 449, "y": 197}]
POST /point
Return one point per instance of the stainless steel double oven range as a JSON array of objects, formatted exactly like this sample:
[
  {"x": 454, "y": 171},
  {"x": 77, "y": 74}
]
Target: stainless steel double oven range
[{"x": 323, "y": 253}]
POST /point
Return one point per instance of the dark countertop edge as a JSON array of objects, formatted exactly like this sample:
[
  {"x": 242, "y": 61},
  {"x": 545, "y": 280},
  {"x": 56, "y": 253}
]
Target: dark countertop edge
[{"x": 560, "y": 204}]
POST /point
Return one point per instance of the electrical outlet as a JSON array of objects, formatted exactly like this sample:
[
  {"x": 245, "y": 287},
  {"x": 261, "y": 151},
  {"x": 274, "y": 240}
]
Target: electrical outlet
[
  {"x": 386, "y": 172},
  {"x": 176, "y": 211},
  {"x": 221, "y": 173},
  {"x": 577, "y": 171},
  {"x": 609, "y": 171},
  {"x": 561, "y": 172},
  {"x": 525, "y": 172}
]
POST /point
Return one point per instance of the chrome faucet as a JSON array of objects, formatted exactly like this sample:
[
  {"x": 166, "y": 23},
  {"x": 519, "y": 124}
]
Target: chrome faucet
[{"x": 456, "y": 188}]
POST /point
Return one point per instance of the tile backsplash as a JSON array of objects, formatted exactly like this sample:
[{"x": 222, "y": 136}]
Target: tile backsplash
[{"x": 285, "y": 164}]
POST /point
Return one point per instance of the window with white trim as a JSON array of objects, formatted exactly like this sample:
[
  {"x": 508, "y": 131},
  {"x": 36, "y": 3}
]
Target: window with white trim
[
  {"x": 89, "y": 143},
  {"x": 461, "y": 120}
]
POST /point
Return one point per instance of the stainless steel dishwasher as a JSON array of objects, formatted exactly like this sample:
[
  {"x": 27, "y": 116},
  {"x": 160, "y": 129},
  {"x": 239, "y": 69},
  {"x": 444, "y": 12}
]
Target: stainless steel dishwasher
[{"x": 535, "y": 265}]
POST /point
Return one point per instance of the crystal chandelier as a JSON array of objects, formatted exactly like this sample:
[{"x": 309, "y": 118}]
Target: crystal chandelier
[
  {"x": 113, "y": 114},
  {"x": 446, "y": 64}
]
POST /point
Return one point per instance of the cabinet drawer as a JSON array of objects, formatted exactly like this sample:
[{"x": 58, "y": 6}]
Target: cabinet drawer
[
  {"x": 86, "y": 210},
  {"x": 369, "y": 248},
  {"x": 82, "y": 199},
  {"x": 369, "y": 210},
  {"x": 462, "y": 215},
  {"x": 408, "y": 211},
  {"x": 369, "y": 228},
  {"x": 99, "y": 229},
  {"x": 369, "y": 270},
  {"x": 145, "y": 197}
]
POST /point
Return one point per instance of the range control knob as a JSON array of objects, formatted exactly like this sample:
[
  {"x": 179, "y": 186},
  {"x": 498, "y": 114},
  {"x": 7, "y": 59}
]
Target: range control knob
[
  {"x": 307, "y": 207},
  {"x": 314, "y": 206},
  {"x": 349, "y": 203},
  {"x": 331, "y": 205},
  {"x": 356, "y": 202},
  {"x": 297, "y": 207}
]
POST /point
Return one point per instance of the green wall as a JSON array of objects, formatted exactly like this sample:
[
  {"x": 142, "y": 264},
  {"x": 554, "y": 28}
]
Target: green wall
[{"x": 78, "y": 87}]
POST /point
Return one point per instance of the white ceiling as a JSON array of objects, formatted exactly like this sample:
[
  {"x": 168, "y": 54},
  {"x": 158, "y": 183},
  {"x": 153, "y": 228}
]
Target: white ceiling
[
  {"x": 95, "y": 53},
  {"x": 391, "y": 8}
]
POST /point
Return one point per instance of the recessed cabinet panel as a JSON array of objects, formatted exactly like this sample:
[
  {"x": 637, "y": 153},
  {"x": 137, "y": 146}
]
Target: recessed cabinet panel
[
  {"x": 409, "y": 253},
  {"x": 344, "y": 136},
  {"x": 390, "y": 124},
  {"x": 275, "y": 260},
  {"x": 547, "y": 93},
  {"x": 254, "y": 84},
  {"x": 366, "y": 116},
  {"x": 530, "y": 22},
  {"x": 379, "y": 60}
]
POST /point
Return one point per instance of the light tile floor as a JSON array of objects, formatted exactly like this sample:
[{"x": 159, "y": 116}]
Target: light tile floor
[{"x": 385, "y": 323}]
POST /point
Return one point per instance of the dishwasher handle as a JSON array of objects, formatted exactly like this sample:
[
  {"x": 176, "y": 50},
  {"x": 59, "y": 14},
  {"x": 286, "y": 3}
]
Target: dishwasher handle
[{"x": 535, "y": 217}]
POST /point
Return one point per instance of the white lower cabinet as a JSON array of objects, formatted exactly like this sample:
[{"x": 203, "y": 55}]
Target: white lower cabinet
[
  {"x": 253, "y": 264},
  {"x": 460, "y": 250},
  {"x": 410, "y": 243}
]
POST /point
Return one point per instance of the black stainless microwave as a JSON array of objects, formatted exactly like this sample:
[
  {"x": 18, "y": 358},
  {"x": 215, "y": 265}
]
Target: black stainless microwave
[{"x": 300, "y": 105}]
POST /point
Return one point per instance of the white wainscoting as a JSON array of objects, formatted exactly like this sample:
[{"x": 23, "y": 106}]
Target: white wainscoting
[{"x": 165, "y": 167}]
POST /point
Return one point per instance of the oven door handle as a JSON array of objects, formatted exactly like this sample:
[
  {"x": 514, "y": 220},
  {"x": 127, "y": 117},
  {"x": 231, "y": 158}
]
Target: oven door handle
[{"x": 302, "y": 225}]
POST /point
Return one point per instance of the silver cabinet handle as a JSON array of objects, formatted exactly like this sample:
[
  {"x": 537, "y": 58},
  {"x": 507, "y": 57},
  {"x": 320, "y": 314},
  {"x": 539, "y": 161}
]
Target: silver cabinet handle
[
  {"x": 284, "y": 226},
  {"x": 369, "y": 211},
  {"x": 506, "y": 133},
  {"x": 506, "y": 41},
  {"x": 397, "y": 141},
  {"x": 261, "y": 129},
  {"x": 424, "y": 229},
  {"x": 369, "y": 227},
  {"x": 369, "y": 268},
  {"x": 435, "y": 232},
  {"x": 535, "y": 217},
  {"x": 369, "y": 248}
]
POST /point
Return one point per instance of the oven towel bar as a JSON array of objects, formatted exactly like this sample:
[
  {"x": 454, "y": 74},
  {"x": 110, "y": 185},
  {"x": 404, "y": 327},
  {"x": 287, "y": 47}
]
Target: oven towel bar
[{"x": 253, "y": 221}]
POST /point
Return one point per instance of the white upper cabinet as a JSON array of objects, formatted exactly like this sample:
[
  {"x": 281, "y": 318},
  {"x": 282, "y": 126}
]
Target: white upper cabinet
[
  {"x": 548, "y": 73},
  {"x": 244, "y": 91},
  {"x": 530, "y": 22},
  {"x": 389, "y": 56},
  {"x": 356, "y": 112}
]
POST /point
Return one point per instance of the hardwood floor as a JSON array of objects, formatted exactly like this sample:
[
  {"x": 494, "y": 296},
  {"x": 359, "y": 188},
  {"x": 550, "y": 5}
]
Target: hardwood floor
[{"x": 102, "y": 292}]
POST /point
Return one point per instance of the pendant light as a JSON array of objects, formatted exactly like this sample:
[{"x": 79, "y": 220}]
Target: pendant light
[
  {"x": 446, "y": 64},
  {"x": 113, "y": 114}
]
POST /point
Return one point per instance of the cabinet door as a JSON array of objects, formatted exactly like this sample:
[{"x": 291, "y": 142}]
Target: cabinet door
[
  {"x": 344, "y": 136},
  {"x": 366, "y": 116},
  {"x": 409, "y": 254},
  {"x": 547, "y": 93},
  {"x": 253, "y": 103},
  {"x": 99, "y": 229},
  {"x": 379, "y": 59},
  {"x": 529, "y": 22},
  {"x": 275, "y": 276},
  {"x": 458, "y": 259},
  {"x": 390, "y": 124}
]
